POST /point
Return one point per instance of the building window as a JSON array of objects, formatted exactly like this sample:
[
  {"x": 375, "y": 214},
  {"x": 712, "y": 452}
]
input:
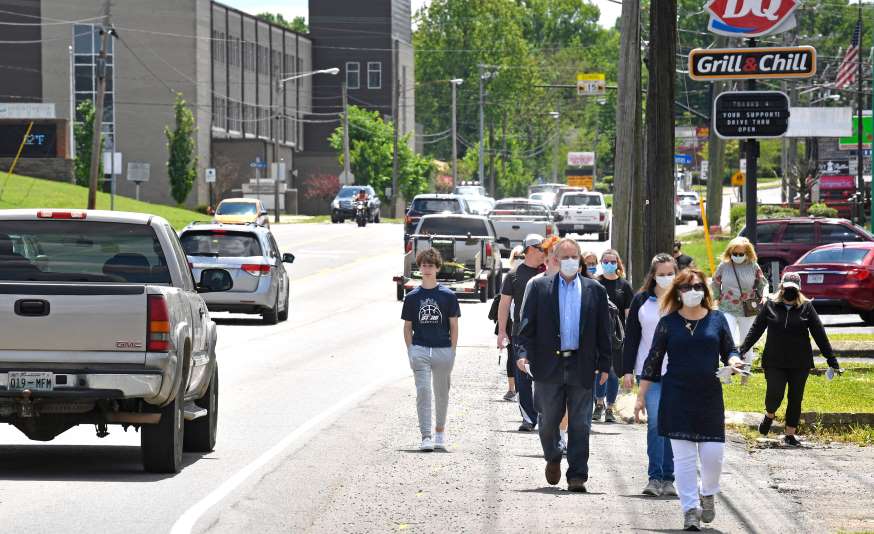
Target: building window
[
  {"x": 234, "y": 116},
  {"x": 86, "y": 49},
  {"x": 374, "y": 75},
  {"x": 218, "y": 46},
  {"x": 353, "y": 75}
]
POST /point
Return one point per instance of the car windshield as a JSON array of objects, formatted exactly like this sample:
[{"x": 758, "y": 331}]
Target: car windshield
[
  {"x": 436, "y": 205},
  {"x": 81, "y": 251},
  {"x": 217, "y": 243},
  {"x": 236, "y": 208},
  {"x": 854, "y": 256},
  {"x": 453, "y": 226},
  {"x": 347, "y": 192},
  {"x": 581, "y": 200},
  {"x": 520, "y": 208}
]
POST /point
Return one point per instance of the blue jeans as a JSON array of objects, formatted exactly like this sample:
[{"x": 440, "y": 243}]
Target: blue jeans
[
  {"x": 610, "y": 389},
  {"x": 658, "y": 448},
  {"x": 553, "y": 399}
]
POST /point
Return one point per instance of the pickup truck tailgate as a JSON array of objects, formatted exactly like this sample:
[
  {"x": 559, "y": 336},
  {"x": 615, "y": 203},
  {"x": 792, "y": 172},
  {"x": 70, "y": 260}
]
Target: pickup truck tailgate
[
  {"x": 73, "y": 317},
  {"x": 581, "y": 215}
]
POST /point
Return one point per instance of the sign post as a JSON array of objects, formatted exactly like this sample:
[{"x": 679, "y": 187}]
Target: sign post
[
  {"x": 210, "y": 179},
  {"x": 138, "y": 172}
]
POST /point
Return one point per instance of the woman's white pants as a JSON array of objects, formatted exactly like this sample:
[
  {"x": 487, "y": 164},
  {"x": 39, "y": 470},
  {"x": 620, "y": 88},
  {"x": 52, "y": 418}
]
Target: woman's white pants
[{"x": 686, "y": 456}]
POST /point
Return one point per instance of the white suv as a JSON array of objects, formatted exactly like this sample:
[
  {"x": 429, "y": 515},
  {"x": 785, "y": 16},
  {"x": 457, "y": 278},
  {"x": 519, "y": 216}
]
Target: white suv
[{"x": 583, "y": 213}]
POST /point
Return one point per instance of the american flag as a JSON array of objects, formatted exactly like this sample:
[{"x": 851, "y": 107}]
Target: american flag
[{"x": 849, "y": 66}]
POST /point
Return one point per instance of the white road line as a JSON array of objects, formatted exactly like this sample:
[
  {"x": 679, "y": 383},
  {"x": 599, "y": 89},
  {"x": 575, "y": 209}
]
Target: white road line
[{"x": 186, "y": 521}]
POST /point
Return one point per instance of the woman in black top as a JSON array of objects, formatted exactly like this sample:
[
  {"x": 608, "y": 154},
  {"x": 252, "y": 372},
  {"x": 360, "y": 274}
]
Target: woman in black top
[
  {"x": 787, "y": 359},
  {"x": 620, "y": 293}
]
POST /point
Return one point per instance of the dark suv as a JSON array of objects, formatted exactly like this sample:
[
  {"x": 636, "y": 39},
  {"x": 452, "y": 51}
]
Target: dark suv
[
  {"x": 433, "y": 203},
  {"x": 782, "y": 241}
]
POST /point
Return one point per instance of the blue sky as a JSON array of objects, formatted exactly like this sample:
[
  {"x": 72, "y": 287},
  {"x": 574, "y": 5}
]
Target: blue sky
[{"x": 292, "y": 8}]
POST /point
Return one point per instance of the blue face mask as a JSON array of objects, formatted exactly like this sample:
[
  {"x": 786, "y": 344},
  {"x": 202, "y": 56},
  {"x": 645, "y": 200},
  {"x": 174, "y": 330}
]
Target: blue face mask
[
  {"x": 609, "y": 268},
  {"x": 592, "y": 270}
]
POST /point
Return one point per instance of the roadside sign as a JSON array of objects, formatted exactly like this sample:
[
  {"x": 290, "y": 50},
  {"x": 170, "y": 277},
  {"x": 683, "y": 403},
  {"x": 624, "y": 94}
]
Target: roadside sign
[
  {"x": 138, "y": 171},
  {"x": 705, "y": 170},
  {"x": 851, "y": 142},
  {"x": 580, "y": 159},
  {"x": 347, "y": 179},
  {"x": 743, "y": 165},
  {"x": 752, "y": 63},
  {"x": 258, "y": 164},
  {"x": 682, "y": 159},
  {"x": 834, "y": 167},
  {"x": 751, "y": 114},
  {"x": 586, "y": 181},
  {"x": 591, "y": 84},
  {"x": 702, "y": 131},
  {"x": 738, "y": 179},
  {"x": 750, "y": 18},
  {"x": 111, "y": 163},
  {"x": 274, "y": 175},
  {"x": 210, "y": 176}
]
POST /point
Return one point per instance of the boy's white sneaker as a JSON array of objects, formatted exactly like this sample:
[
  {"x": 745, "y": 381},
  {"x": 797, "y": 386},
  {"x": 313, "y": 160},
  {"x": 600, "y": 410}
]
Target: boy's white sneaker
[
  {"x": 440, "y": 441},
  {"x": 427, "y": 445}
]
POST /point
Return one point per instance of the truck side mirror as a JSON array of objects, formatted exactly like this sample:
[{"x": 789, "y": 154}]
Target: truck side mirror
[
  {"x": 215, "y": 281},
  {"x": 288, "y": 257}
]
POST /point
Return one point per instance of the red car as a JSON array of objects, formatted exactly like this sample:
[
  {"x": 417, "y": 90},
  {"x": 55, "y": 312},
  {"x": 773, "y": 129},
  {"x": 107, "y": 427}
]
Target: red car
[{"x": 839, "y": 278}]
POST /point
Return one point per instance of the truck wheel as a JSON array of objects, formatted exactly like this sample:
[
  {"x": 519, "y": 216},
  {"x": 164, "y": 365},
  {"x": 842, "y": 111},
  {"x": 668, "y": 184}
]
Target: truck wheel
[
  {"x": 271, "y": 316},
  {"x": 401, "y": 292},
  {"x": 199, "y": 435},
  {"x": 283, "y": 315},
  {"x": 483, "y": 294},
  {"x": 868, "y": 317},
  {"x": 161, "y": 444}
]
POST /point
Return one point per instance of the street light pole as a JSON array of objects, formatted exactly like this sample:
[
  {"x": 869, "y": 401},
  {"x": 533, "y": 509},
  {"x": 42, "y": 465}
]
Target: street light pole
[
  {"x": 482, "y": 121},
  {"x": 280, "y": 85},
  {"x": 455, "y": 83}
]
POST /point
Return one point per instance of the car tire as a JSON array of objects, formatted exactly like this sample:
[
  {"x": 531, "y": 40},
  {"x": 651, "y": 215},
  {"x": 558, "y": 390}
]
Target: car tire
[
  {"x": 334, "y": 220},
  {"x": 271, "y": 316},
  {"x": 161, "y": 443},
  {"x": 700, "y": 221},
  {"x": 868, "y": 317},
  {"x": 283, "y": 315},
  {"x": 200, "y": 435},
  {"x": 401, "y": 292}
]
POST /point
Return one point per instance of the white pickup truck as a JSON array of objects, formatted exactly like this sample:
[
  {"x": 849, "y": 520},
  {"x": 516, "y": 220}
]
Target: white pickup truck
[
  {"x": 102, "y": 323},
  {"x": 583, "y": 213},
  {"x": 515, "y": 218}
]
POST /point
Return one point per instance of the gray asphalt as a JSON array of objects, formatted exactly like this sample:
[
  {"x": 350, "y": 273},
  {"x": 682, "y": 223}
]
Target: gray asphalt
[{"x": 317, "y": 433}]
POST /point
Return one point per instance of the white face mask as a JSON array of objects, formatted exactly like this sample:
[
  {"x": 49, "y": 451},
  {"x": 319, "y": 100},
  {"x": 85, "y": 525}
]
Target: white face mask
[
  {"x": 665, "y": 282},
  {"x": 739, "y": 258},
  {"x": 692, "y": 298},
  {"x": 570, "y": 267}
]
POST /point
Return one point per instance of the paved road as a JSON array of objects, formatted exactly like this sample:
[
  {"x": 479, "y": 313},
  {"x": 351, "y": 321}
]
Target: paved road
[{"x": 317, "y": 433}]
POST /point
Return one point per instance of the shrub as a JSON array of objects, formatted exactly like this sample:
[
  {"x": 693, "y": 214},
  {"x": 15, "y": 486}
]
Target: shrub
[
  {"x": 821, "y": 210},
  {"x": 738, "y": 214}
]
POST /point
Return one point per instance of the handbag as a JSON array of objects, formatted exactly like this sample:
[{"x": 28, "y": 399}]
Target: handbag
[{"x": 750, "y": 306}]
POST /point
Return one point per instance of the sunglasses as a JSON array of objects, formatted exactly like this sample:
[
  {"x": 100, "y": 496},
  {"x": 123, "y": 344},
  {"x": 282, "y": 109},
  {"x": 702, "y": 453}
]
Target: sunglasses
[
  {"x": 537, "y": 248},
  {"x": 688, "y": 287},
  {"x": 605, "y": 262}
]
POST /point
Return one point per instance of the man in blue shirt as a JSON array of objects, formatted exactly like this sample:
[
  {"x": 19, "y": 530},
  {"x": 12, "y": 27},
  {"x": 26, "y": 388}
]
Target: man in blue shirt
[{"x": 564, "y": 337}]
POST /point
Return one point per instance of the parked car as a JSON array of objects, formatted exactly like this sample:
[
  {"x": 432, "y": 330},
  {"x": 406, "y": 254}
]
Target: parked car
[
  {"x": 343, "y": 205},
  {"x": 468, "y": 245},
  {"x": 839, "y": 278},
  {"x": 780, "y": 242},
  {"x": 687, "y": 206},
  {"x": 103, "y": 324},
  {"x": 432, "y": 203},
  {"x": 241, "y": 211},
  {"x": 480, "y": 205},
  {"x": 583, "y": 213},
  {"x": 251, "y": 256},
  {"x": 514, "y": 218}
]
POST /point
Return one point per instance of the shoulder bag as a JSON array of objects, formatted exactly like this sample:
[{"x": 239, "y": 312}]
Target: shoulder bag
[{"x": 751, "y": 305}]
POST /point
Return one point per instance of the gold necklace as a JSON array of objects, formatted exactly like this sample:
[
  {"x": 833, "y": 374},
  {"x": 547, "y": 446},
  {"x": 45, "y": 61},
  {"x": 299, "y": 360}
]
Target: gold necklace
[{"x": 690, "y": 328}]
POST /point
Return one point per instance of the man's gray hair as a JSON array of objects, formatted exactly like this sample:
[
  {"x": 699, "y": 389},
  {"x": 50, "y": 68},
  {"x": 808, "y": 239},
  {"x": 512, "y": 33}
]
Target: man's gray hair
[{"x": 566, "y": 240}]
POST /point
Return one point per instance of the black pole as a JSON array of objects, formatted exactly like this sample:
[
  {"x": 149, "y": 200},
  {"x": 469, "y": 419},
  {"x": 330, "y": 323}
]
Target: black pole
[
  {"x": 752, "y": 151},
  {"x": 860, "y": 183}
]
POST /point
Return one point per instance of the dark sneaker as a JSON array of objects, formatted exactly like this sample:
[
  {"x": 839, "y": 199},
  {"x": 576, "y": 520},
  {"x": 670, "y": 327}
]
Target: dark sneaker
[
  {"x": 653, "y": 488},
  {"x": 692, "y": 520},
  {"x": 553, "y": 473},
  {"x": 765, "y": 425},
  {"x": 708, "y": 508},
  {"x": 598, "y": 413},
  {"x": 576, "y": 485},
  {"x": 608, "y": 416},
  {"x": 526, "y": 427},
  {"x": 510, "y": 396},
  {"x": 791, "y": 441}
]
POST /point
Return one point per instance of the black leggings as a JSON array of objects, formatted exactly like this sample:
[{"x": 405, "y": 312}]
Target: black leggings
[
  {"x": 511, "y": 360},
  {"x": 778, "y": 378}
]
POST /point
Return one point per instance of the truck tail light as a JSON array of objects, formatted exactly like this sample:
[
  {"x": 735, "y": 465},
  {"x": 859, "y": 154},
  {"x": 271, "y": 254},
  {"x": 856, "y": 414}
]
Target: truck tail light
[
  {"x": 256, "y": 269},
  {"x": 602, "y": 216},
  {"x": 158, "y": 331},
  {"x": 859, "y": 275},
  {"x": 408, "y": 220},
  {"x": 488, "y": 249},
  {"x": 408, "y": 247},
  {"x": 548, "y": 230},
  {"x": 53, "y": 214}
]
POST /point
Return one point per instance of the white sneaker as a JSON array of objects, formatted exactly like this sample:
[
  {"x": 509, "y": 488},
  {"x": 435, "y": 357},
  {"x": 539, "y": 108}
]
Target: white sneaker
[
  {"x": 562, "y": 442},
  {"x": 427, "y": 445},
  {"x": 440, "y": 441}
]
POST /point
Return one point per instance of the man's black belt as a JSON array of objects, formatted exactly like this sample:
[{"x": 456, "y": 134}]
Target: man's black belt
[{"x": 565, "y": 353}]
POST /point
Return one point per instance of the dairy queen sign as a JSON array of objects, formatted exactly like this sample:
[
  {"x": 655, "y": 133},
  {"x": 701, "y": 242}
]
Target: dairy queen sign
[{"x": 751, "y": 18}]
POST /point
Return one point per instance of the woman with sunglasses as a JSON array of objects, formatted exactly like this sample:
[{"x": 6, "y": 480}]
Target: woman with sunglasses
[
  {"x": 691, "y": 411},
  {"x": 588, "y": 264},
  {"x": 620, "y": 293}
]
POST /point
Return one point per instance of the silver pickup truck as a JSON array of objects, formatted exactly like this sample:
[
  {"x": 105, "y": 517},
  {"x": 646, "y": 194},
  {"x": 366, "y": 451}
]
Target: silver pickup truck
[
  {"x": 515, "y": 218},
  {"x": 102, "y": 323}
]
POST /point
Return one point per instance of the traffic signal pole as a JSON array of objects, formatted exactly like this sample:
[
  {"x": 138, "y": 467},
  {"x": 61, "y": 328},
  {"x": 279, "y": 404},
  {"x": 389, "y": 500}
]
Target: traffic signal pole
[{"x": 751, "y": 186}]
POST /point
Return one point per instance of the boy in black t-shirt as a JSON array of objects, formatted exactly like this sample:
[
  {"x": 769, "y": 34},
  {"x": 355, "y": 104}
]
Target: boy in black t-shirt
[{"x": 430, "y": 317}]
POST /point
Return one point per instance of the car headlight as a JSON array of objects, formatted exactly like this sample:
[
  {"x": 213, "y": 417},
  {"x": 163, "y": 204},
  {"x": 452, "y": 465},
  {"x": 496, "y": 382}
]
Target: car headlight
[{"x": 335, "y": 204}]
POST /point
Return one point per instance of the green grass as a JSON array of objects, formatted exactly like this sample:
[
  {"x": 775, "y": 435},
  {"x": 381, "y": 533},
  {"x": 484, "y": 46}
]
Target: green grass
[
  {"x": 25, "y": 192},
  {"x": 608, "y": 199},
  {"x": 694, "y": 246},
  {"x": 851, "y": 337}
]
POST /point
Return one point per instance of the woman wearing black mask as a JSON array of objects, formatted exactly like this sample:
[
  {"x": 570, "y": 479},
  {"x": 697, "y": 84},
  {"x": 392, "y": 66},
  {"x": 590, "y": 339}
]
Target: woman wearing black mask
[{"x": 787, "y": 359}]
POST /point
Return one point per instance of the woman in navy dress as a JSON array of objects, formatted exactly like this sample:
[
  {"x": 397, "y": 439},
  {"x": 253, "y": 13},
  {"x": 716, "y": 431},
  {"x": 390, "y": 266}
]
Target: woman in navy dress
[{"x": 691, "y": 410}]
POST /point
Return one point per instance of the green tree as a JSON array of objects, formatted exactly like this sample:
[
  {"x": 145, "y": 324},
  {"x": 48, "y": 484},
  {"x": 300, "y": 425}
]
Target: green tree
[
  {"x": 182, "y": 161},
  {"x": 298, "y": 24},
  {"x": 83, "y": 132}
]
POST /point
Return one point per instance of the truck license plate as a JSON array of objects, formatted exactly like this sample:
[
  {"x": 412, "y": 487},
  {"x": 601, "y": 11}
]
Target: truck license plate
[
  {"x": 814, "y": 278},
  {"x": 34, "y": 381}
]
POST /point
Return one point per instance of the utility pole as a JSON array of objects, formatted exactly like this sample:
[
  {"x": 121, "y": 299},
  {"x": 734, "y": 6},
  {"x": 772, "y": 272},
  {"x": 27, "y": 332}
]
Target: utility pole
[
  {"x": 482, "y": 122},
  {"x": 860, "y": 160},
  {"x": 395, "y": 104},
  {"x": 455, "y": 83},
  {"x": 557, "y": 116},
  {"x": 346, "y": 164},
  {"x": 276, "y": 114},
  {"x": 98, "y": 107}
]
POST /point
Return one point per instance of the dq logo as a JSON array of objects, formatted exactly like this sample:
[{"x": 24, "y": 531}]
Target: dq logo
[{"x": 751, "y": 18}]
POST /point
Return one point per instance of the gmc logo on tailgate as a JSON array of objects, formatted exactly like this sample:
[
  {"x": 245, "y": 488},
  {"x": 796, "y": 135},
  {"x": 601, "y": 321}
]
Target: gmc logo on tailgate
[{"x": 128, "y": 345}]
